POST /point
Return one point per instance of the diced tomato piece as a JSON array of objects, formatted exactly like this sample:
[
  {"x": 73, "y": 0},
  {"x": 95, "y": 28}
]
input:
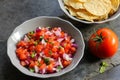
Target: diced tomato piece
[
  {"x": 41, "y": 62},
  {"x": 31, "y": 42},
  {"x": 46, "y": 52},
  {"x": 23, "y": 63},
  {"x": 68, "y": 46},
  {"x": 43, "y": 66},
  {"x": 50, "y": 68},
  {"x": 52, "y": 62},
  {"x": 54, "y": 49},
  {"x": 19, "y": 51},
  {"x": 66, "y": 50},
  {"x": 62, "y": 51},
  {"x": 38, "y": 34},
  {"x": 62, "y": 34},
  {"x": 56, "y": 43},
  {"x": 49, "y": 45},
  {"x": 46, "y": 37},
  {"x": 22, "y": 43},
  {"x": 23, "y": 56},
  {"x": 68, "y": 39},
  {"x": 32, "y": 48},
  {"x": 55, "y": 28},
  {"x": 73, "y": 49},
  {"x": 37, "y": 63},
  {"x": 52, "y": 38},
  {"x": 32, "y": 64},
  {"x": 44, "y": 29},
  {"x": 39, "y": 48},
  {"x": 66, "y": 63},
  {"x": 55, "y": 55}
]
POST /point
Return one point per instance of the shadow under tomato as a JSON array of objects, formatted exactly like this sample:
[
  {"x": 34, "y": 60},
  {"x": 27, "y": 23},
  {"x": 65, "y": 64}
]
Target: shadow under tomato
[{"x": 88, "y": 56}]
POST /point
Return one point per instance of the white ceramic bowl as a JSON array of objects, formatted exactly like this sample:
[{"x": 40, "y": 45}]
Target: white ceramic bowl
[
  {"x": 61, "y": 3},
  {"x": 31, "y": 25}
]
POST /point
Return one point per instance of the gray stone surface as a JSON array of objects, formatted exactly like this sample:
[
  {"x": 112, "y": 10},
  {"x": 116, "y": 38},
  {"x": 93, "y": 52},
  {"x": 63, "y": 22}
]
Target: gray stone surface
[
  {"x": 113, "y": 74},
  {"x": 14, "y": 12}
]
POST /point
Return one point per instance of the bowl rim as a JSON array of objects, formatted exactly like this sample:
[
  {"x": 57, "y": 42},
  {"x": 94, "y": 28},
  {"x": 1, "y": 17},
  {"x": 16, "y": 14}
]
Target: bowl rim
[
  {"x": 86, "y": 22},
  {"x": 44, "y": 76}
]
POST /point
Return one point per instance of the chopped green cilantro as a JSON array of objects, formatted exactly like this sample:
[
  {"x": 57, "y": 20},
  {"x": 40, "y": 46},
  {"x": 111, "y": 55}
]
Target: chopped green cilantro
[
  {"x": 103, "y": 67},
  {"x": 47, "y": 61},
  {"x": 59, "y": 47},
  {"x": 48, "y": 27},
  {"x": 35, "y": 43},
  {"x": 50, "y": 52},
  {"x": 59, "y": 68},
  {"x": 46, "y": 40},
  {"x": 104, "y": 64},
  {"x": 65, "y": 44},
  {"x": 33, "y": 54},
  {"x": 41, "y": 37},
  {"x": 32, "y": 32},
  {"x": 31, "y": 70},
  {"x": 29, "y": 37},
  {"x": 51, "y": 43}
]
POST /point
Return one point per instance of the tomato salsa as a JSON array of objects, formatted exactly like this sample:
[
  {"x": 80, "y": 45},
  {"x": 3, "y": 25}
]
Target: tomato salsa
[{"x": 46, "y": 50}]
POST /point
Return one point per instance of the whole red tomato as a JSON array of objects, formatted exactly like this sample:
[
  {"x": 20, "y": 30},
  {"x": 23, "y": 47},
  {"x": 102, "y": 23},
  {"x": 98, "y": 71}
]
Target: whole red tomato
[{"x": 103, "y": 43}]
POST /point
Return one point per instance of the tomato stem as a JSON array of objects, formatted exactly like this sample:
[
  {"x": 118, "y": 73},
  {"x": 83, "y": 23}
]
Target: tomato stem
[{"x": 98, "y": 38}]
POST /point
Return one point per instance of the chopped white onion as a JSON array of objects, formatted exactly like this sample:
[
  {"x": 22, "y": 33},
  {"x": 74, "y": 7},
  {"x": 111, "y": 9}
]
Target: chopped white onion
[
  {"x": 74, "y": 45},
  {"x": 43, "y": 71},
  {"x": 43, "y": 42},
  {"x": 59, "y": 29},
  {"x": 27, "y": 62},
  {"x": 72, "y": 40},
  {"x": 41, "y": 54},
  {"x": 39, "y": 59},
  {"x": 57, "y": 33},
  {"x": 60, "y": 63},
  {"x": 56, "y": 64},
  {"x": 66, "y": 57},
  {"x": 55, "y": 69},
  {"x": 66, "y": 38},
  {"x": 39, "y": 27},
  {"x": 51, "y": 59},
  {"x": 60, "y": 39},
  {"x": 49, "y": 33},
  {"x": 36, "y": 69},
  {"x": 26, "y": 39},
  {"x": 66, "y": 34}
]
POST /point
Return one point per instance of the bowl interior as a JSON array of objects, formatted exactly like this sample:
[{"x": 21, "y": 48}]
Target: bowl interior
[
  {"x": 114, "y": 16},
  {"x": 31, "y": 25}
]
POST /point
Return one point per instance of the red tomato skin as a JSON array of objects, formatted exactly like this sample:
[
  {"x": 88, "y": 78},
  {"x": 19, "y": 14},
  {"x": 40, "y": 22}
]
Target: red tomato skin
[{"x": 108, "y": 47}]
